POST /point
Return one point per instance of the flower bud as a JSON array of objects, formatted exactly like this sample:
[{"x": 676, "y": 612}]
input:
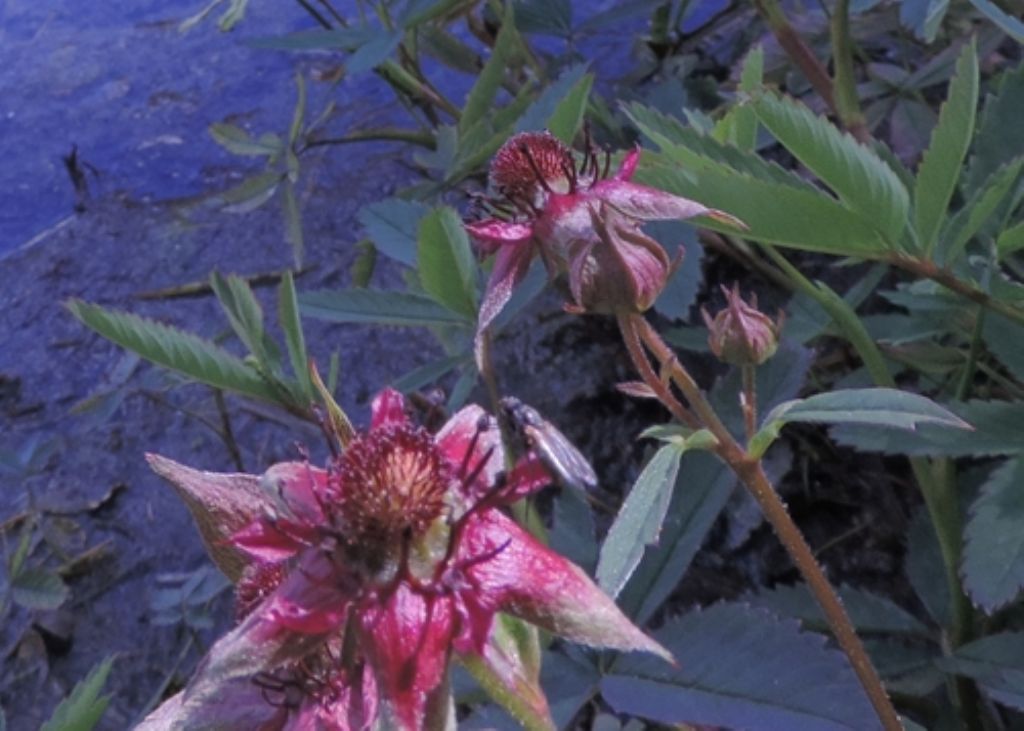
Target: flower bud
[
  {"x": 741, "y": 334},
  {"x": 620, "y": 270}
]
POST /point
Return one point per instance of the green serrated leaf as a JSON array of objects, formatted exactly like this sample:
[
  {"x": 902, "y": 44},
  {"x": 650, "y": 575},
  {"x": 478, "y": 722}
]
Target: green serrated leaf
[
  {"x": 237, "y": 140},
  {"x": 923, "y": 17},
  {"x": 299, "y": 115},
  {"x": 639, "y": 521},
  {"x": 689, "y": 147},
  {"x": 997, "y": 431},
  {"x": 1011, "y": 240},
  {"x": 744, "y": 124},
  {"x": 343, "y": 39},
  {"x": 545, "y": 17},
  {"x": 246, "y": 318},
  {"x": 1010, "y": 25},
  {"x": 740, "y": 667},
  {"x": 993, "y": 560},
  {"x": 870, "y": 613},
  {"x": 293, "y": 223},
  {"x": 1000, "y": 135},
  {"x": 800, "y": 218},
  {"x": 925, "y": 569},
  {"x": 375, "y": 51},
  {"x": 566, "y": 119},
  {"x": 172, "y": 348},
  {"x": 865, "y": 183},
  {"x": 447, "y": 266},
  {"x": 392, "y": 225},
  {"x": 969, "y": 219},
  {"x": 251, "y": 193},
  {"x": 942, "y": 162},
  {"x": 364, "y": 264},
  {"x": 291, "y": 324},
  {"x": 1003, "y": 338},
  {"x": 36, "y": 588},
  {"x": 541, "y": 109},
  {"x": 481, "y": 97},
  {"x": 996, "y": 662},
  {"x": 377, "y": 306},
  {"x": 449, "y": 50},
  {"x": 233, "y": 15},
  {"x": 82, "y": 710},
  {"x": 887, "y": 407},
  {"x": 430, "y": 373}
]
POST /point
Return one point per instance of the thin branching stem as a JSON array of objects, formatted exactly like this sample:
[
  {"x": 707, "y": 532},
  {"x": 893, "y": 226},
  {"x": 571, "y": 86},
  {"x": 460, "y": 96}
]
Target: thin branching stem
[
  {"x": 940, "y": 275},
  {"x": 751, "y": 473}
]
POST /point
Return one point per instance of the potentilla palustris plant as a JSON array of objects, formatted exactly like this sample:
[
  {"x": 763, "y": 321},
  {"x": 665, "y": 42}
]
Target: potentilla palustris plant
[
  {"x": 359, "y": 583},
  {"x": 585, "y": 223}
]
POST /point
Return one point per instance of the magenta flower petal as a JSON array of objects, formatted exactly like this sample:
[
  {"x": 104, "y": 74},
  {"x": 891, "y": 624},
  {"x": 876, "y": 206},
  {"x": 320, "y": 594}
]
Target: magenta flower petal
[
  {"x": 313, "y": 599},
  {"x": 388, "y": 407},
  {"x": 261, "y": 643},
  {"x": 301, "y": 487},
  {"x": 471, "y": 443},
  {"x": 629, "y": 163},
  {"x": 646, "y": 204},
  {"x": 492, "y": 234},
  {"x": 510, "y": 267},
  {"x": 527, "y": 477},
  {"x": 407, "y": 639},
  {"x": 270, "y": 542},
  {"x": 530, "y": 581}
]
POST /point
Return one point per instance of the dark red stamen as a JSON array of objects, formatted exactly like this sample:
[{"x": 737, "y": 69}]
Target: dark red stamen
[{"x": 524, "y": 150}]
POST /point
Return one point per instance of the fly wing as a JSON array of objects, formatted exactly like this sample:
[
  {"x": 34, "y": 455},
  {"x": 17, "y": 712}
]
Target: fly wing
[
  {"x": 561, "y": 457},
  {"x": 565, "y": 463}
]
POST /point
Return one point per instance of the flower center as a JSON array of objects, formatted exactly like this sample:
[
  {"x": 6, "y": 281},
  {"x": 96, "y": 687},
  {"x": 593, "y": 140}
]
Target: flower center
[
  {"x": 391, "y": 481},
  {"x": 532, "y": 165}
]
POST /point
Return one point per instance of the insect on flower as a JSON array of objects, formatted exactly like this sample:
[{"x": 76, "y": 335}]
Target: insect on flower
[{"x": 551, "y": 446}]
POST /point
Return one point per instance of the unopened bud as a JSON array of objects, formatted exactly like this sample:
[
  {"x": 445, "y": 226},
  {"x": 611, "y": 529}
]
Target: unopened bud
[
  {"x": 621, "y": 269},
  {"x": 741, "y": 334}
]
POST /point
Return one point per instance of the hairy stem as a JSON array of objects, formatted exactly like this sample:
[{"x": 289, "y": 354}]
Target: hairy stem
[
  {"x": 752, "y": 475},
  {"x": 797, "y": 50},
  {"x": 933, "y": 479},
  {"x": 930, "y": 270},
  {"x": 749, "y": 400}
]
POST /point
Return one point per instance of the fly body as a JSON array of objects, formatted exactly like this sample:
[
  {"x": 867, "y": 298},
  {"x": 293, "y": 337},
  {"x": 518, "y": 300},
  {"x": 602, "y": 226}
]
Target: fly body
[{"x": 533, "y": 432}]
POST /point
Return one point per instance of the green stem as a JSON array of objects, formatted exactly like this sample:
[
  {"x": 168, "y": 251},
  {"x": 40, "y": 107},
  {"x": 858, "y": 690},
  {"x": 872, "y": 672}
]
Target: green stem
[
  {"x": 963, "y": 388},
  {"x": 845, "y": 88},
  {"x": 401, "y": 79},
  {"x": 752, "y": 475},
  {"x": 385, "y": 134}
]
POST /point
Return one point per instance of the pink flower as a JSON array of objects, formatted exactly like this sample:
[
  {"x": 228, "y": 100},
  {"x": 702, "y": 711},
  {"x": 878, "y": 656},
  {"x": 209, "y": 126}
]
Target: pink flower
[
  {"x": 360, "y": 582},
  {"x": 577, "y": 219}
]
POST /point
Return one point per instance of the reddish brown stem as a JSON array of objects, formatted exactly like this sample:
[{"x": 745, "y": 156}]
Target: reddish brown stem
[
  {"x": 637, "y": 331},
  {"x": 797, "y": 50},
  {"x": 930, "y": 270}
]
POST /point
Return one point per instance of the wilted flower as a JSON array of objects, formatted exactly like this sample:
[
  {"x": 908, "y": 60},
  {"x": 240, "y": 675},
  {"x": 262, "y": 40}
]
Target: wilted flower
[
  {"x": 741, "y": 334},
  {"x": 357, "y": 583},
  {"x": 578, "y": 219}
]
